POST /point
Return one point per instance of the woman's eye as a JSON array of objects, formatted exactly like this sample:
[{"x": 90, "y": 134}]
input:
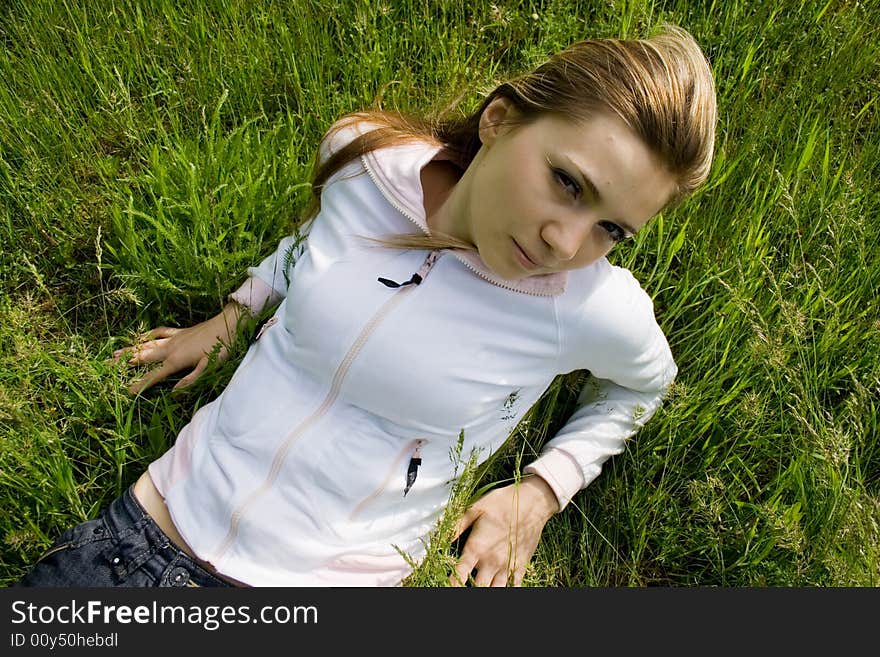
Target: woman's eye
[
  {"x": 614, "y": 231},
  {"x": 566, "y": 181}
]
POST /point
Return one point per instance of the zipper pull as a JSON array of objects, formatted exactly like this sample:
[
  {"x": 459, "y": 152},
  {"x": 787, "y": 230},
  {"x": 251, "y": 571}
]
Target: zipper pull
[
  {"x": 415, "y": 280},
  {"x": 419, "y": 275},
  {"x": 412, "y": 470},
  {"x": 272, "y": 320}
]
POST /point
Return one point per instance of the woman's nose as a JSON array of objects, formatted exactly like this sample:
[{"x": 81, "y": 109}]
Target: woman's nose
[{"x": 565, "y": 237}]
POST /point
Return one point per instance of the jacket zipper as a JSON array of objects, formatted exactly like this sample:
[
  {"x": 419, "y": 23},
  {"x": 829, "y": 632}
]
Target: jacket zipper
[
  {"x": 494, "y": 281},
  {"x": 413, "y": 449},
  {"x": 319, "y": 412},
  {"x": 393, "y": 202},
  {"x": 269, "y": 322}
]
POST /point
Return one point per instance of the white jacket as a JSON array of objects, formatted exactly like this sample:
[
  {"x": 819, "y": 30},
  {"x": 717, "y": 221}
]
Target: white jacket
[{"x": 296, "y": 473}]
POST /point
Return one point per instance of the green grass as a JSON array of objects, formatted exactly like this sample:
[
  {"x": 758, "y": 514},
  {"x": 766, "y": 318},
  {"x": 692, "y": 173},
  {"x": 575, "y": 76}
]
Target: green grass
[{"x": 148, "y": 156}]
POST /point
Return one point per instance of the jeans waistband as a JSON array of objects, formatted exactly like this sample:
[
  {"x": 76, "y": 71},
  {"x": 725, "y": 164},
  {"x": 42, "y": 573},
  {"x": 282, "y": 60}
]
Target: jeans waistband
[{"x": 129, "y": 521}]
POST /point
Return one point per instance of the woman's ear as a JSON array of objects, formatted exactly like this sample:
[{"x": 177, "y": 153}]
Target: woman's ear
[{"x": 496, "y": 112}]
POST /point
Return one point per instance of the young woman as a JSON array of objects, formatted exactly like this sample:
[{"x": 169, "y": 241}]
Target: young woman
[{"x": 446, "y": 272}]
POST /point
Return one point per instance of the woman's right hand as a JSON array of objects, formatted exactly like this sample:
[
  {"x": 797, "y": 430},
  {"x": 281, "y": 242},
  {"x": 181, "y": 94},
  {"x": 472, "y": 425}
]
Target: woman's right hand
[{"x": 181, "y": 348}]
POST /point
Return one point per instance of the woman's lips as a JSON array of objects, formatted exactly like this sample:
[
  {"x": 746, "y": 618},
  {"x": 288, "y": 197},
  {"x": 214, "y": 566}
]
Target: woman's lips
[{"x": 523, "y": 258}]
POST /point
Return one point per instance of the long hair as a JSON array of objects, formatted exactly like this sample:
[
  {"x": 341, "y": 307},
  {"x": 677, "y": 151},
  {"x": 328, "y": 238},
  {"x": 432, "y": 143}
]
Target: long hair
[{"x": 661, "y": 87}]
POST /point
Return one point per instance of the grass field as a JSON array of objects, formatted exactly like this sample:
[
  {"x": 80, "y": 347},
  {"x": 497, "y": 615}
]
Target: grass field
[{"x": 149, "y": 155}]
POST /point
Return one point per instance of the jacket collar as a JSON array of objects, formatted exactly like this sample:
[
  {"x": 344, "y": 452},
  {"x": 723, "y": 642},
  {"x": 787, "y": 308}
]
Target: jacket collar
[{"x": 396, "y": 170}]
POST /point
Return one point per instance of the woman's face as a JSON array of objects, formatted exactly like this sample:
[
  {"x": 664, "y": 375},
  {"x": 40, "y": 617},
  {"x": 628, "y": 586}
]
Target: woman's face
[{"x": 554, "y": 195}]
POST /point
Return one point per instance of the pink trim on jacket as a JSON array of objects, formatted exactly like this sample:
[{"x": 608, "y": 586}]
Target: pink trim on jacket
[
  {"x": 392, "y": 170},
  {"x": 561, "y": 472}
]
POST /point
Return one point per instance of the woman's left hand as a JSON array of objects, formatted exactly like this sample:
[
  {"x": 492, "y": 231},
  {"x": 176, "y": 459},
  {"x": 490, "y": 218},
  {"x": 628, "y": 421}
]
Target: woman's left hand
[{"x": 506, "y": 525}]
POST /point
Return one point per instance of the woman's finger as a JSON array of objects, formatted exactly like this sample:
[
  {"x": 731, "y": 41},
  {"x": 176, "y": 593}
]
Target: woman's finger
[
  {"x": 147, "y": 339},
  {"x": 518, "y": 576},
  {"x": 484, "y": 576},
  {"x": 192, "y": 376},
  {"x": 501, "y": 578},
  {"x": 153, "y": 377},
  {"x": 141, "y": 353},
  {"x": 465, "y": 521},
  {"x": 160, "y": 332},
  {"x": 462, "y": 571}
]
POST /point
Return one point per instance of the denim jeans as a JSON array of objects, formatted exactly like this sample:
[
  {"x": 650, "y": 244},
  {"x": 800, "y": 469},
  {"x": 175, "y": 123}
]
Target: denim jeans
[{"x": 123, "y": 547}]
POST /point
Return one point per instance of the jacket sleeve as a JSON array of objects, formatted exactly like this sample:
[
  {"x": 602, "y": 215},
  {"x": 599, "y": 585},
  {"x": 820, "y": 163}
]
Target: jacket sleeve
[
  {"x": 631, "y": 369},
  {"x": 267, "y": 283}
]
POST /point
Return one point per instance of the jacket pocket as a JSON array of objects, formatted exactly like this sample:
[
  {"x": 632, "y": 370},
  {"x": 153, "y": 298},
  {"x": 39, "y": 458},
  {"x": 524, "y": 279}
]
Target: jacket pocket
[{"x": 408, "y": 474}]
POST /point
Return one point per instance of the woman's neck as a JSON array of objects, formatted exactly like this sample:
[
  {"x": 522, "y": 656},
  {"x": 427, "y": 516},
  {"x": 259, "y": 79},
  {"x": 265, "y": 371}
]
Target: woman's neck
[{"x": 439, "y": 179}]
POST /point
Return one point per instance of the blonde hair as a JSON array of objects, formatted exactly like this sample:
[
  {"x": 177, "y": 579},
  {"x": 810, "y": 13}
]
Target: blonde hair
[{"x": 661, "y": 87}]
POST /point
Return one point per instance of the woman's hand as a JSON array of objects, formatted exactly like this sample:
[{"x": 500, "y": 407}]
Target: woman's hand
[
  {"x": 506, "y": 525},
  {"x": 181, "y": 348}
]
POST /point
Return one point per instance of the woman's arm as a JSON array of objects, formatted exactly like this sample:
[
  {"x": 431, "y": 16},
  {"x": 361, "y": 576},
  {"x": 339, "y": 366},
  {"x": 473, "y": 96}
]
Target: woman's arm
[
  {"x": 606, "y": 417},
  {"x": 506, "y": 523},
  {"x": 182, "y": 348},
  {"x": 632, "y": 366},
  {"x": 615, "y": 336}
]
